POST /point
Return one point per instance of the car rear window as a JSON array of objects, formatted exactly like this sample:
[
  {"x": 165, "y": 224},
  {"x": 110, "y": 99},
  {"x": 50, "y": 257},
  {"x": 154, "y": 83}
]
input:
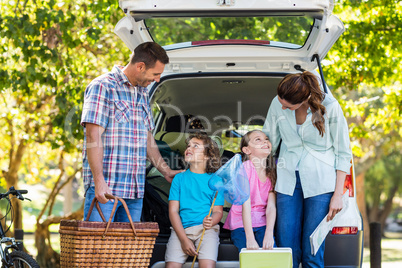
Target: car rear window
[{"x": 282, "y": 31}]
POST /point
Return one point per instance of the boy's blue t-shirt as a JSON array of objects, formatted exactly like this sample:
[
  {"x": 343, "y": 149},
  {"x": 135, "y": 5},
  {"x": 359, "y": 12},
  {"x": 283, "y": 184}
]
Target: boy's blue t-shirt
[{"x": 195, "y": 197}]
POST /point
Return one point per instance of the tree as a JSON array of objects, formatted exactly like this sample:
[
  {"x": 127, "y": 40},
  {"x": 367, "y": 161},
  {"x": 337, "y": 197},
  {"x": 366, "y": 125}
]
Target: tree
[
  {"x": 383, "y": 181},
  {"x": 363, "y": 68},
  {"x": 50, "y": 51}
]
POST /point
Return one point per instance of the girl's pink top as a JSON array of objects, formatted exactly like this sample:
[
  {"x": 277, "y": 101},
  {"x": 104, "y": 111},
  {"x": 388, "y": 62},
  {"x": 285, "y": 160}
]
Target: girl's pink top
[{"x": 258, "y": 197}]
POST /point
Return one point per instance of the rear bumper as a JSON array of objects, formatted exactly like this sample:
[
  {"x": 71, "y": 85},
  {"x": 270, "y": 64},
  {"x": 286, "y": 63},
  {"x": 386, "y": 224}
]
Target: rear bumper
[{"x": 344, "y": 251}]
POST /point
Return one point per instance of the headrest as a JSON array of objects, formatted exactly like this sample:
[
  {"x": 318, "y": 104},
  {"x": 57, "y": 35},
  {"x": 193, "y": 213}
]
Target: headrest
[{"x": 183, "y": 123}]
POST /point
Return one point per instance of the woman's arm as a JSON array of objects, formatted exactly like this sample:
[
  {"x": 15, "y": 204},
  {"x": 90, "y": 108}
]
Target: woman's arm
[
  {"x": 271, "y": 126},
  {"x": 268, "y": 242},
  {"x": 339, "y": 131},
  {"x": 186, "y": 244},
  {"x": 248, "y": 227},
  {"x": 336, "y": 203}
]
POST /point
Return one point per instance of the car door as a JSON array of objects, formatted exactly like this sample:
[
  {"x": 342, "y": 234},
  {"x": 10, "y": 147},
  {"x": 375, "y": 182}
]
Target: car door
[{"x": 274, "y": 36}]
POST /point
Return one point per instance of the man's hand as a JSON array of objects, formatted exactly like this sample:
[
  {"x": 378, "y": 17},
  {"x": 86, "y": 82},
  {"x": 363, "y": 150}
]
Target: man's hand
[
  {"x": 101, "y": 189},
  {"x": 169, "y": 174},
  {"x": 188, "y": 247}
]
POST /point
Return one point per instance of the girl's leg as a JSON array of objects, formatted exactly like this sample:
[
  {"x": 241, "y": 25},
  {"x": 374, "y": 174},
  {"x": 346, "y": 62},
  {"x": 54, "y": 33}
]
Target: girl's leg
[
  {"x": 315, "y": 209},
  {"x": 288, "y": 228},
  {"x": 238, "y": 237},
  {"x": 259, "y": 233}
]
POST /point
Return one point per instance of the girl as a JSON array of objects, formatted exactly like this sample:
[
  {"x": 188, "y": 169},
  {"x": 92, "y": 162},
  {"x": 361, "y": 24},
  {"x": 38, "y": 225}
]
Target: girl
[
  {"x": 190, "y": 200},
  {"x": 316, "y": 158},
  {"x": 252, "y": 224}
]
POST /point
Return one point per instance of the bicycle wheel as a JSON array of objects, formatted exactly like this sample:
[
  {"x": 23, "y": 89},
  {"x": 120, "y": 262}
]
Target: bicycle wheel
[{"x": 22, "y": 259}]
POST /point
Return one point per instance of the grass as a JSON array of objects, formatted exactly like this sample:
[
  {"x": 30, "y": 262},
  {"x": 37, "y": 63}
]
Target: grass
[{"x": 391, "y": 252}]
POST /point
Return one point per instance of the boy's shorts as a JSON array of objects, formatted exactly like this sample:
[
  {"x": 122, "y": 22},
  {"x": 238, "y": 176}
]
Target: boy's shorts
[{"x": 209, "y": 245}]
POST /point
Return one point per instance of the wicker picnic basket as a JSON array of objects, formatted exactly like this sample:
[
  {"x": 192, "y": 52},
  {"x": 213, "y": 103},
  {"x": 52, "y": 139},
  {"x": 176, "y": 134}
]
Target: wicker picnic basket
[{"x": 106, "y": 244}]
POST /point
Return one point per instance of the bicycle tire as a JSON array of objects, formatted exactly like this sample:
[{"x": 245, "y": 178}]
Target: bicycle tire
[{"x": 22, "y": 259}]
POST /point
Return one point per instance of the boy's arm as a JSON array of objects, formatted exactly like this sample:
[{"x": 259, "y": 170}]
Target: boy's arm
[
  {"x": 268, "y": 242},
  {"x": 248, "y": 226},
  {"x": 214, "y": 219},
  {"x": 187, "y": 246}
]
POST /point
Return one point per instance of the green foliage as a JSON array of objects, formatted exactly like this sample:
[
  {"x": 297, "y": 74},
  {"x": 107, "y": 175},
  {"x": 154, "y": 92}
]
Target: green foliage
[
  {"x": 168, "y": 31},
  {"x": 54, "y": 49},
  {"x": 382, "y": 177}
]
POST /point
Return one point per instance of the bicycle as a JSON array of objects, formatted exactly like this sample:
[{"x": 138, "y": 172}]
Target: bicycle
[{"x": 11, "y": 255}]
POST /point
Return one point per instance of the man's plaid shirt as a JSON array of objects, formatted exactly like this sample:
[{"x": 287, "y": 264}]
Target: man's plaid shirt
[{"x": 111, "y": 102}]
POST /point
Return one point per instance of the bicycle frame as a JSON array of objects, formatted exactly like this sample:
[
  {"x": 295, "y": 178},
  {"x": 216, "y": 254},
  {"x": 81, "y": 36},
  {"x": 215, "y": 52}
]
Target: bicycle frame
[{"x": 9, "y": 243}]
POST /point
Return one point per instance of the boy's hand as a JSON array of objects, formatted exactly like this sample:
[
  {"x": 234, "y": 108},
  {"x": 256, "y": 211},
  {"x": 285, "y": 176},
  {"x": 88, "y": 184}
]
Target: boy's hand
[
  {"x": 268, "y": 242},
  {"x": 252, "y": 244},
  {"x": 207, "y": 223},
  {"x": 188, "y": 247}
]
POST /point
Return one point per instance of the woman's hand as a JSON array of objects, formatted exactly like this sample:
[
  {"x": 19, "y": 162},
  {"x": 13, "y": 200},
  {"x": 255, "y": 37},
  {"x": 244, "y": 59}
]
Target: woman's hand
[
  {"x": 188, "y": 247},
  {"x": 335, "y": 206},
  {"x": 268, "y": 242},
  {"x": 252, "y": 244}
]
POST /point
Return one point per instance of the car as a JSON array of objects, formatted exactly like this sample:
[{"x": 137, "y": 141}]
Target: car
[{"x": 226, "y": 60}]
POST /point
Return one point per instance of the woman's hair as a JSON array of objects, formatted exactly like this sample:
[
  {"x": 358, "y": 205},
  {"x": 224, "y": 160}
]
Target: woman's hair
[
  {"x": 296, "y": 88},
  {"x": 270, "y": 167},
  {"x": 211, "y": 150}
]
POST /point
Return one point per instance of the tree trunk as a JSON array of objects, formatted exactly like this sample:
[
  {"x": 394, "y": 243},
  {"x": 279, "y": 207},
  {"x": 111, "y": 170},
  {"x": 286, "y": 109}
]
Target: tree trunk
[
  {"x": 47, "y": 257},
  {"x": 12, "y": 180},
  {"x": 361, "y": 203},
  {"x": 387, "y": 207}
]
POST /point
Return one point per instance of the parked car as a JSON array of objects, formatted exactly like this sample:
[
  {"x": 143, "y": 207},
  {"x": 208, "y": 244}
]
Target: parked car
[{"x": 226, "y": 60}]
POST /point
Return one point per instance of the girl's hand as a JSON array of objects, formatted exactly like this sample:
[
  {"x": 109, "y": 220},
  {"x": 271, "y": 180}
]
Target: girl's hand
[
  {"x": 268, "y": 242},
  {"x": 252, "y": 244},
  {"x": 335, "y": 206},
  {"x": 188, "y": 247},
  {"x": 207, "y": 223}
]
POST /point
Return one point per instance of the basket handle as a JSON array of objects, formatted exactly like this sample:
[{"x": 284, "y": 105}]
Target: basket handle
[{"x": 109, "y": 196}]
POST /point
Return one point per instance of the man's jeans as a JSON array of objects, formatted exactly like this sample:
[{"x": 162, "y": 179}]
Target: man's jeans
[
  {"x": 296, "y": 220},
  {"x": 134, "y": 207}
]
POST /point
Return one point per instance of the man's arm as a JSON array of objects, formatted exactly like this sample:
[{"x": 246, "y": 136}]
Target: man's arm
[
  {"x": 156, "y": 159},
  {"x": 95, "y": 160}
]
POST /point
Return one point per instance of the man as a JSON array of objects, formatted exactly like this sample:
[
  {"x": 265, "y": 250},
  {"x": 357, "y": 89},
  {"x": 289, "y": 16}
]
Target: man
[{"x": 117, "y": 123}]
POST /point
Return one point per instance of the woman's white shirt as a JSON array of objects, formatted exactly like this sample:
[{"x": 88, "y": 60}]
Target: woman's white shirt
[{"x": 316, "y": 157}]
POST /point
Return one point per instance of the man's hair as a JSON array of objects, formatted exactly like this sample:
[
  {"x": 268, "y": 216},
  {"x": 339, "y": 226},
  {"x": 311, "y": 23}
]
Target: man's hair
[{"x": 149, "y": 53}]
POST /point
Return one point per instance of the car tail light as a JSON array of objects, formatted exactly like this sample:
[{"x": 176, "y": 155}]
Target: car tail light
[
  {"x": 230, "y": 42},
  {"x": 349, "y": 183},
  {"x": 344, "y": 230}
]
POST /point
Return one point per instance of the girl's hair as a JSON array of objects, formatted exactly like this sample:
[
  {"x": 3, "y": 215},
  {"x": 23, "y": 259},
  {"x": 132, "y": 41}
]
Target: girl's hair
[
  {"x": 270, "y": 167},
  {"x": 211, "y": 150},
  {"x": 296, "y": 88}
]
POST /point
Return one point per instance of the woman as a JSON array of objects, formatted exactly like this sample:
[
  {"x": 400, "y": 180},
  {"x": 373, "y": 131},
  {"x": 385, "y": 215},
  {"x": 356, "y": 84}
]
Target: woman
[{"x": 313, "y": 162}]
